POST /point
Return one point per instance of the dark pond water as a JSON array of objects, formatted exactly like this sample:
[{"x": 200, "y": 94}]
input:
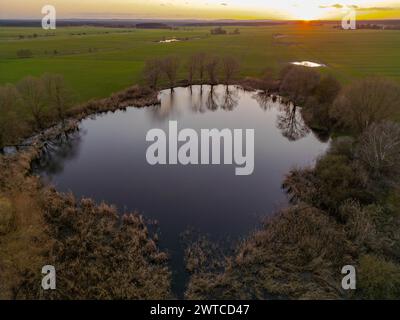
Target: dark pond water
[{"x": 107, "y": 161}]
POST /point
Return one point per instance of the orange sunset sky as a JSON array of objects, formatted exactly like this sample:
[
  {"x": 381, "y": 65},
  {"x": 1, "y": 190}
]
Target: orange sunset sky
[{"x": 203, "y": 9}]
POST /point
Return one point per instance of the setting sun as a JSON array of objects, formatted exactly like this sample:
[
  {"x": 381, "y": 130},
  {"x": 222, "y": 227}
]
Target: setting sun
[{"x": 304, "y": 11}]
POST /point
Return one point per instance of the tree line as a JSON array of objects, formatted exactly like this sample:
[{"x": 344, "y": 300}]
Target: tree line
[
  {"x": 327, "y": 105},
  {"x": 200, "y": 68},
  {"x": 32, "y": 104}
]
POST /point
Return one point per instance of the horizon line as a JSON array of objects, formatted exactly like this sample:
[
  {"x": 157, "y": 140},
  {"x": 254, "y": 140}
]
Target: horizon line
[{"x": 203, "y": 19}]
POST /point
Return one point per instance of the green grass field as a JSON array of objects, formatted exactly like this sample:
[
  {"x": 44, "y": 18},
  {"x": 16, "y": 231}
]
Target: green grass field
[{"x": 97, "y": 61}]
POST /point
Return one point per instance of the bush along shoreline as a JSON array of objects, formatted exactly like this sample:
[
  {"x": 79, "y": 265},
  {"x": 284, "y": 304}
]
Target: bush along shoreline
[
  {"x": 59, "y": 122},
  {"x": 343, "y": 211}
]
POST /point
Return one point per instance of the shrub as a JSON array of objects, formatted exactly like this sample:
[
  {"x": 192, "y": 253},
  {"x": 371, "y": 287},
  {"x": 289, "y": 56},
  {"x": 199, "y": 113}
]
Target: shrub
[
  {"x": 316, "y": 114},
  {"x": 378, "y": 278},
  {"x": 34, "y": 98},
  {"x": 98, "y": 255},
  {"x": 285, "y": 70},
  {"x": 218, "y": 30},
  {"x": 379, "y": 150},
  {"x": 295, "y": 255},
  {"x": 7, "y": 218},
  {"x": 301, "y": 185},
  {"x": 335, "y": 179},
  {"x": 316, "y": 111},
  {"x": 340, "y": 179},
  {"x": 344, "y": 146},
  {"x": 10, "y": 125},
  {"x": 268, "y": 83},
  {"x": 299, "y": 83},
  {"x": 366, "y": 101},
  {"x": 24, "y": 53},
  {"x": 359, "y": 224},
  {"x": 327, "y": 90}
]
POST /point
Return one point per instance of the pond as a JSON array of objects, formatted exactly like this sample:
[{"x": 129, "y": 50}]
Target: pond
[
  {"x": 309, "y": 64},
  {"x": 169, "y": 40},
  {"x": 107, "y": 161}
]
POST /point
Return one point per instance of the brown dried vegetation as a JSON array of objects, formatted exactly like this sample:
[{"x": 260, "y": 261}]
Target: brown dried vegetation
[{"x": 97, "y": 254}]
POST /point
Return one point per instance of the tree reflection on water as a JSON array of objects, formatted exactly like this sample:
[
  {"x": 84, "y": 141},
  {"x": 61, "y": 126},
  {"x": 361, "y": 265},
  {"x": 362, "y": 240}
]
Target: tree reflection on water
[
  {"x": 291, "y": 123},
  {"x": 54, "y": 153},
  {"x": 230, "y": 98},
  {"x": 200, "y": 99}
]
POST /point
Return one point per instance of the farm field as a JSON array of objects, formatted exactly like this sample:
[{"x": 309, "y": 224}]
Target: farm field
[{"x": 97, "y": 61}]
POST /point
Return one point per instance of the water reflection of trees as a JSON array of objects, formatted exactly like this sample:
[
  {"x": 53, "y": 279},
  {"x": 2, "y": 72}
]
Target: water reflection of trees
[
  {"x": 289, "y": 120},
  {"x": 212, "y": 99},
  {"x": 291, "y": 123},
  {"x": 230, "y": 98},
  {"x": 55, "y": 152},
  {"x": 196, "y": 100},
  {"x": 265, "y": 100},
  {"x": 200, "y": 98},
  {"x": 162, "y": 111}
]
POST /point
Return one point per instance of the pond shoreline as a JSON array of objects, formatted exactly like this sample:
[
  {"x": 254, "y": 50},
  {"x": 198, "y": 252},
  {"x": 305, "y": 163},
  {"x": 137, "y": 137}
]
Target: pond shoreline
[
  {"x": 253, "y": 111},
  {"x": 33, "y": 146},
  {"x": 136, "y": 96}
]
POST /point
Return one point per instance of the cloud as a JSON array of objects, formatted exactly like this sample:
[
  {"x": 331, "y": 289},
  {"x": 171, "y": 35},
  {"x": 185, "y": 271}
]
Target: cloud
[
  {"x": 377, "y": 9},
  {"x": 340, "y": 6},
  {"x": 336, "y": 6}
]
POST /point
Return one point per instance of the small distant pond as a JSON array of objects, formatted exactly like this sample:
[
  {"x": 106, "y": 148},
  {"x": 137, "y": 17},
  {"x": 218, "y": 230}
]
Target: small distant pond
[
  {"x": 309, "y": 64},
  {"x": 107, "y": 161},
  {"x": 169, "y": 40}
]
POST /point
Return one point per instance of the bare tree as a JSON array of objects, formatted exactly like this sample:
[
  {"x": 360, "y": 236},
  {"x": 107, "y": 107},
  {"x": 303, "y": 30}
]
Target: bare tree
[
  {"x": 9, "y": 104},
  {"x": 230, "y": 68},
  {"x": 192, "y": 66},
  {"x": 300, "y": 185},
  {"x": 201, "y": 59},
  {"x": 33, "y": 96},
  {"x": 328, "y": 89},
  {"x": 170, "y": 66},
  {"x": 379, "y": 148},
  {"x": 366, "y": 101},
  {"x": 212, "y": 69},
  {"x": 268, "y": 82},
  {"x": 152, "y": 72},
  {"x": 299, "y": 82},
  {"x": 59, "y": 97}
]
